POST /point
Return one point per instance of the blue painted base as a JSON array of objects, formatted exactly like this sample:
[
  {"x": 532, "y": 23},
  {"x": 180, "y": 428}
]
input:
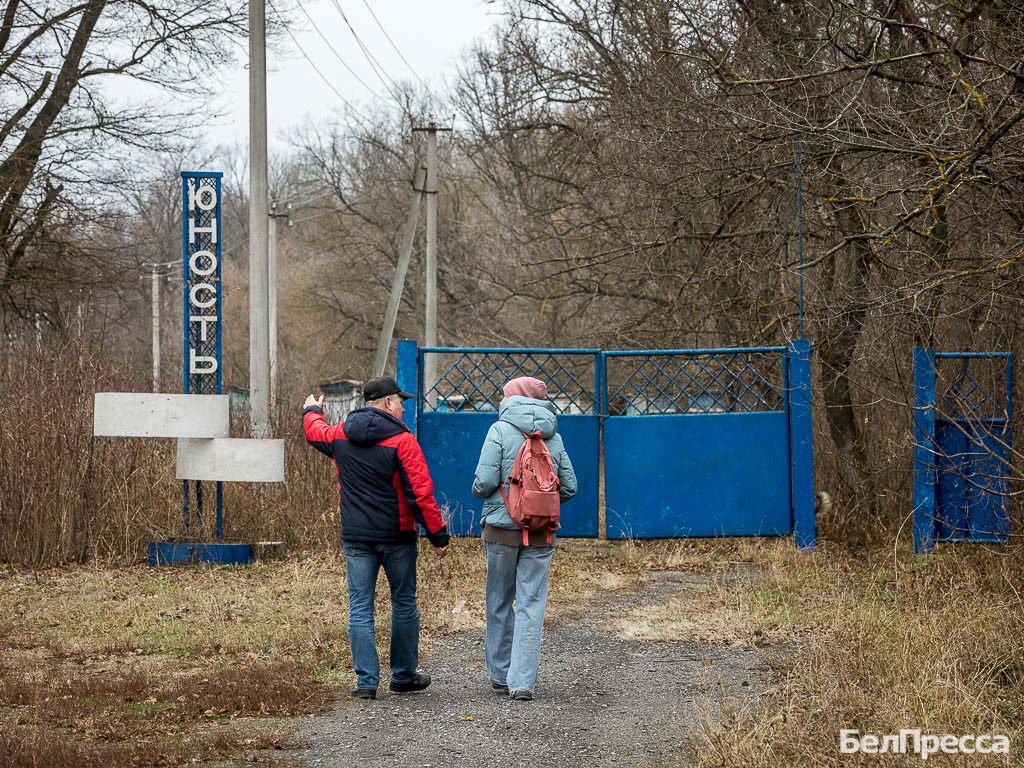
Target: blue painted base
[{"x": 178, "y": 553}]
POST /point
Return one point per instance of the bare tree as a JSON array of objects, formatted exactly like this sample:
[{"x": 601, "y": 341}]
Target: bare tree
[{"x": 65, "y": 145}]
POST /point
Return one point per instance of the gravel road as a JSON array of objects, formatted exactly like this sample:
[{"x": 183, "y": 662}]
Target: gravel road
[{"x": 601, "y": 701}]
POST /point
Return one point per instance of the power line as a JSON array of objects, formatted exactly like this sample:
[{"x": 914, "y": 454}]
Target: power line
[
  {"x": 289, "y": 199},
  {"x": 328, "y": 83},
  {"x": 317, "y": 191},
  {"x": 314, "y": 198},
  {"x": 301, "y": 219},
  {"x": 399, "y": 52},
  {"x": 378, "y": 69},
  {"x": 338, "y": 55}
]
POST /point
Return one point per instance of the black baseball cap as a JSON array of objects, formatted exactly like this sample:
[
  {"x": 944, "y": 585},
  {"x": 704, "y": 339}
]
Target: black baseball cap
[{"x": 382, "y": 386}]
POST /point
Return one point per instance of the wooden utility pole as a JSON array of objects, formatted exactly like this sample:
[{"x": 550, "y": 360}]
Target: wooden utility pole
[
  {"x": 404, "y": 255},
  {"x": 259, "y": 225}
]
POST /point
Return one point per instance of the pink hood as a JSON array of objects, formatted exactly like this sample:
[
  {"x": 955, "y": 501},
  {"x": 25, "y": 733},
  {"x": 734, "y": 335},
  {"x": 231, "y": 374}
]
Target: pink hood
[{"x": 526, "y": 386}]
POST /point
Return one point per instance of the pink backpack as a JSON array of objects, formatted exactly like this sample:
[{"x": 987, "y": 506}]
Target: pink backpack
[{"x": 532, "y": 498}]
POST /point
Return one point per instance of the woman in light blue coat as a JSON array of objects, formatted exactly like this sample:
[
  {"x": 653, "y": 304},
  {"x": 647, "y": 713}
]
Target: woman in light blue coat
[{"x": 517, "y": 573}]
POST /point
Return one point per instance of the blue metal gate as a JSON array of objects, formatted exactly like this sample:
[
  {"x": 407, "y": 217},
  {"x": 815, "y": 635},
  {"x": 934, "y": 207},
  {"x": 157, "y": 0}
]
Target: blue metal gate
[
  {"x": 695, "y": 442},
  {"x": 962, "y": 446}
]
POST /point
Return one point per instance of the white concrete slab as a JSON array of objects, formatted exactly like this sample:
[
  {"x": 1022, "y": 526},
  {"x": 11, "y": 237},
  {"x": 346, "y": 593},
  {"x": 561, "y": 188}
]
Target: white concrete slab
[
  {"x": 143, "y": 414},
  {"x": 231, "y": 460}
]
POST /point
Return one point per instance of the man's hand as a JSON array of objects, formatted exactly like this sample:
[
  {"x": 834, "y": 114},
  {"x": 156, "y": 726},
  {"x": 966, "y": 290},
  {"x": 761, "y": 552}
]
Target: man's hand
[
  {"x": 441, "y": 551},
  {"x": 312, "y": 400}
]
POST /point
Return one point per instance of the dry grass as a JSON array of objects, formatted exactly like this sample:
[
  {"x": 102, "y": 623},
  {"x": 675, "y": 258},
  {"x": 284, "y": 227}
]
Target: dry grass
[
  {"x": 163, "y": 667},
  {"x": 731, "y": 599},
  {"x": 873, "y": 640}
]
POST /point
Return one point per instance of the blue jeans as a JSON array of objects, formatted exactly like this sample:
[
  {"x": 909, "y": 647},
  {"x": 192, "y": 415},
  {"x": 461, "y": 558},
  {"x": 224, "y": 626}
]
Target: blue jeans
[
  {"x": 513, "y": 637},
  {"x": 363, "y": 560}
]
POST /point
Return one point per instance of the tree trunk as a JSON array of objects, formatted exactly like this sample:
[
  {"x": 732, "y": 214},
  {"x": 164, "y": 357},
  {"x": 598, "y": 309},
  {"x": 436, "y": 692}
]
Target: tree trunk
[{"x": 838, "y": 347}]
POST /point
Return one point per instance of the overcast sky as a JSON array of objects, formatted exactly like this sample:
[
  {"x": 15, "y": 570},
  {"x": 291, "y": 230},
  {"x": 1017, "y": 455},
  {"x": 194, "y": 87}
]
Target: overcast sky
[{"x": 430, "y": 35}]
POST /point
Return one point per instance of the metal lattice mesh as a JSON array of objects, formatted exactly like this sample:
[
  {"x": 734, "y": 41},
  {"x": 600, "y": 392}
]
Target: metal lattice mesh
[
  {"x": 971, "y": 388},
  {"x": 472, "y": 381},
  {"x": 203, "y": 383},
  {"x": 720, "y": 382}
]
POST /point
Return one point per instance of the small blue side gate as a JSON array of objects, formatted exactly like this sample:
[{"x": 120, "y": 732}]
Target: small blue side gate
[
  {"x": 963, "y": 437},
  {"x": 676, "y": 443}
]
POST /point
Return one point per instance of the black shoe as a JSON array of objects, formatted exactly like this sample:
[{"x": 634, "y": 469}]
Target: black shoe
[
  {"x": 364, "y": 693},
  {"x": 420, "y": 681},
  {"x": 521, "y": 695},
  {"x": 499, "y": 687}
]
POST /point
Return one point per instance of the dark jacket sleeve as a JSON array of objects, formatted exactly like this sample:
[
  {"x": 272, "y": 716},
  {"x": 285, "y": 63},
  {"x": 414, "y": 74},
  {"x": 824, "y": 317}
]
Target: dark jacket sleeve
[
  {"x": 419, "y": 490},
  {"x": 318, "y": 433}
]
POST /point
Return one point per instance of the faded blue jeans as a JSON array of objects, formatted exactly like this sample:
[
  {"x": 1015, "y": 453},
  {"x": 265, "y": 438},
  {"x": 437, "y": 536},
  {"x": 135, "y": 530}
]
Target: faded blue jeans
[
  {"x": 363, "y": 560},
  {"x": 512, "y": 649}
]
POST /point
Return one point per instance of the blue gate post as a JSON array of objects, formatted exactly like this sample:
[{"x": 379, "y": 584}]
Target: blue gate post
[
  {"x": 407, "y": 378},
  {"x": 924, "y": 450},
  {"x": 801, "y": 444}
]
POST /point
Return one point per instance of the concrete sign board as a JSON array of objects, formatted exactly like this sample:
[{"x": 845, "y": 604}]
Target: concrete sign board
[
  {"x": 231, "y": 459},
  {"x": 139, "y": 414}
]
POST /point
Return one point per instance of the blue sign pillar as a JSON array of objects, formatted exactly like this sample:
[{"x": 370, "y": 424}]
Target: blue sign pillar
[
  {"x": 801, "y": 443},
  {"x": 201, "y": 306}
]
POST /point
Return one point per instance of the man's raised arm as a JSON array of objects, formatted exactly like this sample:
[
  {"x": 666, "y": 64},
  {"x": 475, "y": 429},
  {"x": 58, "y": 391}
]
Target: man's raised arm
[{"x": 318, "y": 431}]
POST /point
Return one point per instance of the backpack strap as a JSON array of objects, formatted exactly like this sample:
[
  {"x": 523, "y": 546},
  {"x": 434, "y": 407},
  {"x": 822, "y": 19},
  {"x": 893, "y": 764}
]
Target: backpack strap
[
  {"x": 527, "y": 435},
  {"x": 504, "y": 496}
]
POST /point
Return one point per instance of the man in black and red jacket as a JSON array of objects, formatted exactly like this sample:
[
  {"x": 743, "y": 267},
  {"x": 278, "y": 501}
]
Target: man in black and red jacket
[{"x": 385, "y": 489}]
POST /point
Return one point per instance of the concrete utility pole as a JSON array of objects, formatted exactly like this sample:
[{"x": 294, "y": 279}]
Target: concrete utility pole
[
  {"x": 430, "y": 332},
  {"x": 431, "y": 192},
  {"x": 156, "y": 328},
  {"x": 272, "y": 293},
  {"x": 259, "y": 225},
  {"x": 272, "y": 303},
  {"x": 404, "y": 255},
  {"x": 155, "y": 276}
]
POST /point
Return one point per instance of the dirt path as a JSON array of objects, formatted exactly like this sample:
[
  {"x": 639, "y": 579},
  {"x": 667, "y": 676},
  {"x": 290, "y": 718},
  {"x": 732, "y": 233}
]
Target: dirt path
[{"x": 601, "y": 701}]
